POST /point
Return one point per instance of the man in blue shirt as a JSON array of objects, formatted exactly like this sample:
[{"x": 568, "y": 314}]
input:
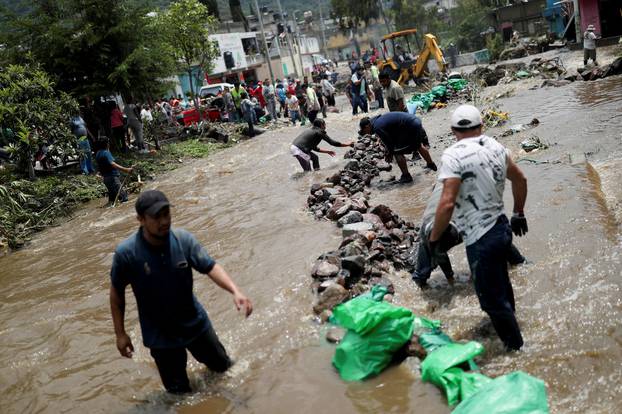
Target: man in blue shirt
[
  {"x": 401, "y": 133},
  {"x": 109, "y": 169},
  {"x": 157, "y": 262}
]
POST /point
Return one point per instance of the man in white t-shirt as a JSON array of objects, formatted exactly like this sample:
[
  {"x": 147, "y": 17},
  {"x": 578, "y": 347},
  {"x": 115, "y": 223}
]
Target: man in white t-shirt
[
  {"x": 473, "y": 174},
  {"x": 293, "y": 107}
]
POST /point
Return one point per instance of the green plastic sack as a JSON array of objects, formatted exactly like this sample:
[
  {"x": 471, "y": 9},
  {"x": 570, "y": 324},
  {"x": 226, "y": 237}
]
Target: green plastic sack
[
  {"x": 376, "y": 330},
  {"x": 457, "y": 84},
  {"x": 440, "y": 368},
  {"x": 438, "y": 91},
  {"x": 514, "y": 393}
]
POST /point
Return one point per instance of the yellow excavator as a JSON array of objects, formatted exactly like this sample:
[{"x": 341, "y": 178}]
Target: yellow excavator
[{"x": 403, "y": 65}]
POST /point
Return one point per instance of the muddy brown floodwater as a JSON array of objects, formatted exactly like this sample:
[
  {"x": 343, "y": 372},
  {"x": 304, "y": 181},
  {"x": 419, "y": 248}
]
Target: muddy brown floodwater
[{"x": 247, "y": 205}]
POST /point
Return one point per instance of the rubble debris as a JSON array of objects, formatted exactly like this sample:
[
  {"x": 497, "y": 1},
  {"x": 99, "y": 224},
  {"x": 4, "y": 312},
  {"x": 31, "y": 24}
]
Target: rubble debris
[
  {"x": 599, "y": 72},
  {"x": 515, "y": 129},
  {"x": 533, "y": 143}
]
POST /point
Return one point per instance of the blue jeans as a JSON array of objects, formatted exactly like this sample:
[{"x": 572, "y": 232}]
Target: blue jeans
[
  {"x": 358, "y": 101},
  {"x": 488, "y": 260},
  {"x": 293, "y": 116},
  {"x": 84, "y": 151}
]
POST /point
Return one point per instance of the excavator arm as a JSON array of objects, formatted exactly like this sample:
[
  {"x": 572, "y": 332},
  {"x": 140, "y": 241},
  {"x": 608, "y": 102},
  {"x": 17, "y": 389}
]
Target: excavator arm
[{"x": 430, "y": 49}]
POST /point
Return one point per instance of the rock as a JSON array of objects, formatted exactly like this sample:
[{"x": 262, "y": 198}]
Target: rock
[
  {"x": 353, "y": 249},
  {"x": 351, "y": 217},
  {"x": 340, "y": 207},
  {"x": 331, "y": 297},
  {"x": 375, "y": 220},
  {"x": 361, "y": 227},
  {"x": 384, "y": 212},
  {"x": 322, "y": 286},
  {"x": 359, "y": 204},
  {"x": 335, "y": 178},
  {"x": 358, "y": 289},
  {"x": 513, "y": 53},
  {"x": 354, "y": 264},
  {"x": 325, "y": 315},
  {"x": 555, "y": 83},
  {"x": 397, "y": 234},
  {"x": 415, "y": 349},
  {"x": 388, "y": 298},
  {"x": 352, "y": 165},
  {"x": 384, "y": 166},
  {"x": 335, "y": 335},
  {"x": 324, "y": 270},
  {"x": 383, "y": 281},
  {"x": 369, "y": 236}
]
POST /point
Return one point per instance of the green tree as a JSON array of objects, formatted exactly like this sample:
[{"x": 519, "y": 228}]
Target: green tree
[
  {"x": 92, "y": 47},
  {"x": 212, "y": 7},
  {"x": 469, "y": 19},
  {"x": 36, "y": 113},
  {"x": 186, "y": 26},
  {"x": 354, "y": 12}
]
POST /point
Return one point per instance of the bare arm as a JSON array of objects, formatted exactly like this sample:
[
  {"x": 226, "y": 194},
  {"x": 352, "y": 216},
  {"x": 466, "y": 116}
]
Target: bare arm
[
  {"x": 122, "y": 168},
  {"x": 519, "y": 186},
  {"x": 117, "y": 308},
  {"x": 445, "y": 208},
  {"x": 222, "y": 279}
]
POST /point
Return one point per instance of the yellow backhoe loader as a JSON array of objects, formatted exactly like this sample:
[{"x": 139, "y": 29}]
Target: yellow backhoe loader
[{"x": 403, "y": 65}]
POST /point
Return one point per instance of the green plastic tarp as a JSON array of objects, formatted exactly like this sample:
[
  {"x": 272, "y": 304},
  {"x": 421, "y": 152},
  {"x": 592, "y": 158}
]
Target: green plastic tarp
[
  {"x": 457, "y": 84},
  {"x": 514, "y": 393},
  {"x": 440, "y": 367},
  {"x": 376, "y": 330}
]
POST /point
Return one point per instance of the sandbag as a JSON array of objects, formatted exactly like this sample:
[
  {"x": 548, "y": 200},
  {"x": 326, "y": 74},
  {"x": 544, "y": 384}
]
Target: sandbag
[
  {"x": 376, "y": 330},
  {"x": 514, "y": 393},
  {"x": 440, "y": 367}
]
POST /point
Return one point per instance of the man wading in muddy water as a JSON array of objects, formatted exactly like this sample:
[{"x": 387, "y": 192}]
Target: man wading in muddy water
[
  {"x": 401, "y": 134},
  {"x": 157, "y": 262},
  {"x": 303, "y": 146},
  {"x": 485, "y": 164}
]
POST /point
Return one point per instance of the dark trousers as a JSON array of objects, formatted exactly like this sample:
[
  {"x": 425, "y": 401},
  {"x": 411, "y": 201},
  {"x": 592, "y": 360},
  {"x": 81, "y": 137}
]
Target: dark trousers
[
  {"x": 358, "y": 101},
  {"x": 379, "y": 97},
  {"x": 488, "y": 258},
  {"x": 171, "y": 362},
  {"x": 113, "y": 184},
  {"x": 306, "y": 165},
  {"x": 312, "y": 115}
]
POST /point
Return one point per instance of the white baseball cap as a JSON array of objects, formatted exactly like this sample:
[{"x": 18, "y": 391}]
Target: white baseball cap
[{"x": 466, "y": 116}]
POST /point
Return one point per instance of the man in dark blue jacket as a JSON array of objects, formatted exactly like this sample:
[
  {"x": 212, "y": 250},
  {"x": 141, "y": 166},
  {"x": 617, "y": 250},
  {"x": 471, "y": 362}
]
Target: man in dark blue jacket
[
  {"x": 157, "y": 262},
  {"x": 402, "y": 134}
]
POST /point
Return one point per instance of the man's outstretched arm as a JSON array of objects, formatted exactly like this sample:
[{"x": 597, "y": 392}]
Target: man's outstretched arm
[{"x": 222, "y": 279}]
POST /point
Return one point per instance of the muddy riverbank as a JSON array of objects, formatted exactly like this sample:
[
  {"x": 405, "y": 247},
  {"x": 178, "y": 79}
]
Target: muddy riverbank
[{"x": 247, "y": 204}]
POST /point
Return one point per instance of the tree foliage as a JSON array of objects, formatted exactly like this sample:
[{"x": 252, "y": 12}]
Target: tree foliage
[
  {"x": 354, "y": 12},
  {"x": 92, "y": 47},
  {"x": 36, "y": 114},
  {"x": 186, "y": 25}
]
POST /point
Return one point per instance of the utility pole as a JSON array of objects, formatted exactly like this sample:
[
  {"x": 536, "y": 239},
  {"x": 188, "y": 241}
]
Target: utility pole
[
  {"x": 265, "y": 42},
  {"x": 322, "y": 29},
  {"x": 302, "y": 66},
  {"x": 288, "y": 35}
]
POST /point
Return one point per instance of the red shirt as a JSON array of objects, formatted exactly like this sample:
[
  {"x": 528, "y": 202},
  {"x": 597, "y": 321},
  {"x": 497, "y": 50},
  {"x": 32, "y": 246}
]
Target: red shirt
[{"x": 116, "y": 118}]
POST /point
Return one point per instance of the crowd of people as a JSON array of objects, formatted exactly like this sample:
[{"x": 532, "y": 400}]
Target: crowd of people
[{"x": 289, "y": 98}]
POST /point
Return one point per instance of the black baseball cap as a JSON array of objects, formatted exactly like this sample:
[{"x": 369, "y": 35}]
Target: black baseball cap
[{"x": 150, "y": 202}]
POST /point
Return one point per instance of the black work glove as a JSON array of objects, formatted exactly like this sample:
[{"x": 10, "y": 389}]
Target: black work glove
[
  {"x": 432, "y": 166},
  {"x": 437, "y": 253},
  {"x": 518, "y": 222}
]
